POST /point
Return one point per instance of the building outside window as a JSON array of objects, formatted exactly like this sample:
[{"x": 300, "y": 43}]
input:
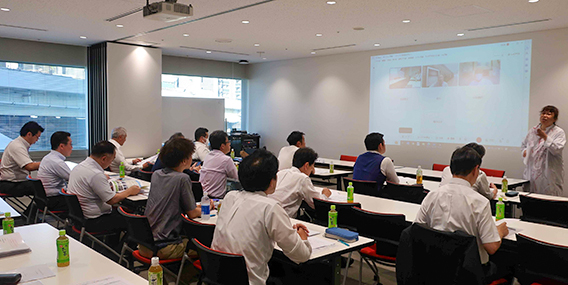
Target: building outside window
[
  {"x": 54, "y": 96},
  {"x": 208, "y": 87}
]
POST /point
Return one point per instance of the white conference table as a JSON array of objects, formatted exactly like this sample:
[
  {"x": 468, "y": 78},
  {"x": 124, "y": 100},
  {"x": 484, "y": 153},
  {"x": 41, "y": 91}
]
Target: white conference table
[
  {"x": 336, "y": 162},
  {"x": 85, "y": 265},
  {"x": 323, "y": 173},
  {"x": 5, "y": 207},
  {"x": 437, "y": 175}
]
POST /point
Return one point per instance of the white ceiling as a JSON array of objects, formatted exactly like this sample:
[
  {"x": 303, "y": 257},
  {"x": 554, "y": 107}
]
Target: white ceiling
[{"x": 285, "y": 29}]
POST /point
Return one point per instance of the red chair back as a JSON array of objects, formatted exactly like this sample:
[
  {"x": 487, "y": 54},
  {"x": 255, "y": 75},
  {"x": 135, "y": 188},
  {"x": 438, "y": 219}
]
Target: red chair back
[
  {"x": 348, "y": 158},
  {"x": 439, "y": 167},
  {"x": 493, "y": 172}
]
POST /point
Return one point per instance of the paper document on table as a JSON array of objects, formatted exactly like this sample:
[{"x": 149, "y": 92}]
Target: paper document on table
[
  {"x": 338, "y": 196},
  {"x": 406, "y": 180},
  {"x": 36, "y": 282},
  {"x": 320, "y": 171},
  {"x": 313, "y": 233},
  {"x": 512, "y": 231},
  {"x": 109, "y": 280},
  {"x": 119, "y": 185},
  {"x": 319, "y": 243},
  {"x": 152, "y": 159},
  {"x": 12, "y": 244},
  {"x": 35, "y": 272}
]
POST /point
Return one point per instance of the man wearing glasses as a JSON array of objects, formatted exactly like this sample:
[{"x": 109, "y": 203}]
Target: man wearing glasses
[{"x": 217, "y": 166}]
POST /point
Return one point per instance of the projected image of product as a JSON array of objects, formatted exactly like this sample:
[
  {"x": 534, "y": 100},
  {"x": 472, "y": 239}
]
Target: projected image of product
[
  {"x": 480, "y": 73},
  {"x": 440, "y": 75},
  {"x": 405, "y": 77}
]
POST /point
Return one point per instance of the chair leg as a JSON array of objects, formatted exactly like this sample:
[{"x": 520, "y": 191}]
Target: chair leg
[
  {"x": 360, "y": 269},
  {"x": 82, "y": 234},
  {"x": 347, "y": 268},
  {"x": 181, "y": 267},
  {"x": 122, "y": 253},
  {"x": 94, "y": 239},
  {"x": 36, "y": 214},
  {"x": 44, "y": 212}
]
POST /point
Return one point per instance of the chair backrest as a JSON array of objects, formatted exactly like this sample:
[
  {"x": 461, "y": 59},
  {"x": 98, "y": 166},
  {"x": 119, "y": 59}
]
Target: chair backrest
[
  {"x": 344, "y": 214},
  {"x": 369, "y": 188},
  {"x": 541, "y": 260},
  {"x": 221, "y": 268},
  {"x": 197, "y": 190},
  {"x": 544, "y": 211},
  {"x": 428, "y": 256},
  {"x": 439, "y": 167},
  {"x": 40, "y": 197},
  {"x": 384, "y": 228},
  {"x": 405, "y": 193},
  {"x": 348, "y": 158},
  {"x": 201, "y": 232},
  {"x": 75, "y": 210},
  {"x": 145, "y": 175},
  {"x": 493, "y": 172},
  {"x": 138, "y": 229}
]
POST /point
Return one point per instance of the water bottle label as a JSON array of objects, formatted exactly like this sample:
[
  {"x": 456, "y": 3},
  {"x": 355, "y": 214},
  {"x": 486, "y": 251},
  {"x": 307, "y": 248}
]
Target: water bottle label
[
  {"x": 156, "y": 278},
  {"x": 8, "y": 226},
  {"x": 62, "y": 251},
  {"x": 205, "y": 209}
]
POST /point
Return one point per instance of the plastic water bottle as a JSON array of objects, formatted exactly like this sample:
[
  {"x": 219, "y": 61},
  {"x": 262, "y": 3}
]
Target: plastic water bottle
[
  {"x": 505, "y": 184},
  {"x": 332, "y": 218},
  {"x": 62, "y": 243},
  {"x": 500, "y": 210},
  {"x": 155, "y": 272},
  {"x": 232, "y": 153},
  {"x": 121, "y": 171},
  {"x": 331, "y": 167},
  {"x": 419, "y": 176},
  {"x": 350, "y": 190},
  {"x": 8, "y": 224},
  {"x": 205, "y": 207}
]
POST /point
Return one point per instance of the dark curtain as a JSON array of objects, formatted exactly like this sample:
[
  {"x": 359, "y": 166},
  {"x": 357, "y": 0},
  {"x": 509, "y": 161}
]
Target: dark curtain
[{"x": 97, "y": 69}]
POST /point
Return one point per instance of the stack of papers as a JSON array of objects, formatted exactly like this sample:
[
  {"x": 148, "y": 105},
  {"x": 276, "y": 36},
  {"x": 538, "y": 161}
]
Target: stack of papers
[
  {"x": 12, "y": 244},
  {"x": 35, "y": 272},
  {"x": 319, "y": 243}
]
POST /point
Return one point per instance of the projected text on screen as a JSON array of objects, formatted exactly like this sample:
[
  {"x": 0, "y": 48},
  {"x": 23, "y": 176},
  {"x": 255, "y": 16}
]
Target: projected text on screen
[{"x": 456, "y": 95}]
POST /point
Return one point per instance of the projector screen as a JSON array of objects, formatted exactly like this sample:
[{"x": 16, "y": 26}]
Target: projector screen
[{"x": 453, "y": 96}]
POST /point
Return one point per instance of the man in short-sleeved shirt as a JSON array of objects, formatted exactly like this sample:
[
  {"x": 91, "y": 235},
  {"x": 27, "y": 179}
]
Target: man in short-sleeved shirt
[
  {"x": 16, "y": 163},
  {"x": 372, "y": 165},
  {"x": 54, "y": 172},
  {"x": 296, "y": 140},
  {"x": 201, "y": 141},
  {"x": 217, "y": 166}
]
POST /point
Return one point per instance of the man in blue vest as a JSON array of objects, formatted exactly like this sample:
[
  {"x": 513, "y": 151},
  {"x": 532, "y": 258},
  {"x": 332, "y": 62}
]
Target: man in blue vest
[{"x": 372, "y": 165}]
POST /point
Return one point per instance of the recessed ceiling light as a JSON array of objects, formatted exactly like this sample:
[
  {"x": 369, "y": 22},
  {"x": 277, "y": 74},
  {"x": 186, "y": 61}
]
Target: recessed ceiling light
[
  {"x": 245, "y": 21},
  {"x": 461, "y": 35},
  {"x": 406, "y": 21},
  {"x": 256, "y": 45},
  {"x": 331, "y": 2},
  {"x": 5, "y": 9},
  {"x": 208, "y": 51},
  {"x": 533, "y": 1},
  {"x": 377, "y": 45},
  {"x": 83, "y": 37},
  {"x": 313, "y": 52},
  {"x": 120, "y": 26},
  {"x": 319, "y": 35},
  {"x": 186, "y": 35}
]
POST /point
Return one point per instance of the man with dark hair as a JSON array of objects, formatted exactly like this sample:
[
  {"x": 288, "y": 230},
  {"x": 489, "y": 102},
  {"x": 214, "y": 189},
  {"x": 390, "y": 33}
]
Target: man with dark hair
[
  {"x": 486, "y": 189},
  {"x": 250, "y": 223},
  {"x": 170, "y": 197},
  {"x": 294, "y": 184},
  {"x": 217, "y": 166},
  {"x": 201, "y": 141},
  {"x": 89, "y": 182},
  {"x": 372, "y": 165},
  {"x": 16, "y": 162},
  {"x": 54, "y": 172},
  {"x": 457, "y": 207},
  {"x": 296, "y": 140}
]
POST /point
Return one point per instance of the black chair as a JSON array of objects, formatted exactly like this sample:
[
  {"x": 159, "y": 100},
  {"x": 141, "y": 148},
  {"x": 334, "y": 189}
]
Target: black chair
[
  {"x": 428, "y": 256},
  {"x": 78, "y": 222},
  {"x": 41, "y": 201},
  {"x": 199, "y": 231},
  {"x": 221, "y": 268},
  {"x": 385, "y": 229},
  {"x": 139, "y": 232},
  {"x": 543, "y": 211},
  {"x": 344, "y": 214},
  {"x": 369, "y": 188},
  {"x": 197, "y": 190},
  {"x": 541, "y": 262},
  {"x": 405, "y": 193},
  {"x": 145, "y": 175}
]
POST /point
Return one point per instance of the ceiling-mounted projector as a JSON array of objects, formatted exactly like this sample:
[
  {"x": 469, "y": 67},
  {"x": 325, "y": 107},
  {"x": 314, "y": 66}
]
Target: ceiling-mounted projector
[{"x": 167, "y": 11}]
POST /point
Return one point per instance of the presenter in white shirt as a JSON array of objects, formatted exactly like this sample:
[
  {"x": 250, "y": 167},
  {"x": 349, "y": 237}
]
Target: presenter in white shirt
[
  {"x": 542, "y": 155},
  {"x": 201, "y": 144},
  {"x": 251, "y": 224},
  {"x": 118, "y": 138},
  {"x": 294, "y": 184},
  {"x": 296, "y": 140}
]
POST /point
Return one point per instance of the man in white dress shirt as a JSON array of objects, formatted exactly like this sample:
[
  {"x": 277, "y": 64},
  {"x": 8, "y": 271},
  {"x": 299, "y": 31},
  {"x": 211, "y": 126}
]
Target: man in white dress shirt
[
  {"x": 201, "y": 144},
  {"x": 118, "y": 138},
  {"x": 54, "y": 172},
  {"x": 16, "y": 162},
  {"x": 250, "y": 223},
  {"x": 373, "y": 165},
  {"x": 456, "y": 206},
  {"x": 296, "y": 140},
  {"x": 294, "y": 184}
]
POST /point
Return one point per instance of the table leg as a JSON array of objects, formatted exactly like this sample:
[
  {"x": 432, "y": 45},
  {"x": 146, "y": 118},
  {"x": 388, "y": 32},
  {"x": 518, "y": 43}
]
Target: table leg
[{"x": 347, "y": 268}]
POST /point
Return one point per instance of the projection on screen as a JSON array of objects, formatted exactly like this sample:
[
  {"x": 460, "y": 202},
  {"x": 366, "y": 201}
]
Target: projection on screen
[{"x": 453, "y": 96}]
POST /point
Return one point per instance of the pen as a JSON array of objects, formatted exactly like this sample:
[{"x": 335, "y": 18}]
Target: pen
[{"x": 343, "y": 242}]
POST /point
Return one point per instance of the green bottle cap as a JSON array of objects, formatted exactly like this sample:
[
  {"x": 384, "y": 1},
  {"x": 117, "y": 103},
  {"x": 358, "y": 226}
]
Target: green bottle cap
[
  {"x": 350, "y": 183},
  {"x": 333, "y": 207},
  {"x": 500, "y": 199},
  {"x": 61, "y": 232},
  {"x": 122, "y": 163},
  {"x": 7, "y": 214}
]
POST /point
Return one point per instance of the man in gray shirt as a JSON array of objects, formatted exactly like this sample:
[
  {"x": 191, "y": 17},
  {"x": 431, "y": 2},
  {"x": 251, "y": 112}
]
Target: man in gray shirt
[{"x": 54, "y": 172}]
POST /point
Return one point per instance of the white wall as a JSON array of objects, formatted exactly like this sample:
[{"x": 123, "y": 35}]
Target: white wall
[
  {"x": 134, "y": 96},
  {"x": 327, "y": 97},
  {"x": 202, "y": 67},
  {"x": 185, "y": 115},
  {"x": 40, "y": 52}
]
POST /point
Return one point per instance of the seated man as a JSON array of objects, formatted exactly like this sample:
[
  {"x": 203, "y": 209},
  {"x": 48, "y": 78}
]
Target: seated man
[
  {"x": 456, "y": 206},
  {"x": 89, "y": 182},
  {"x": 295, "y": 140},
  {"x": 217, "y": 166},
  {"x": 250, "y": 223},
  {"x": 482, "y": 186},
  {"x": 16, "y": 163},
  {"x": 170, "y": 197},
  {"x": 372, "y": 165},
  {"x": 294, "y": 184},
  {"x": 201, "y": 141},
  {"x": 118, "y": 138},
  {"x": 54, "y": 172}
]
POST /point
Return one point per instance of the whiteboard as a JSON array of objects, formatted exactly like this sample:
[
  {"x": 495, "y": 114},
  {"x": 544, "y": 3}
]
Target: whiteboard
[{"x": 185, "y": 115}]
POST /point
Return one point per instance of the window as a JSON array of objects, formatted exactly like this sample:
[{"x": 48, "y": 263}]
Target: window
[
  {"x": 208, "y": 87},
  {"x": 54, "y": 96}
]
